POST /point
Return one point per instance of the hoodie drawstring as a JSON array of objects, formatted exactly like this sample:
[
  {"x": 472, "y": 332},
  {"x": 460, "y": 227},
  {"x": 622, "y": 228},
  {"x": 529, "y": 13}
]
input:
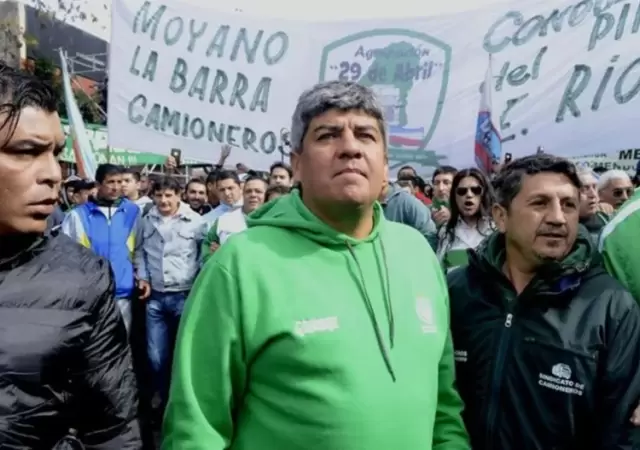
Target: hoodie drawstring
[{"x": 387, "y": 304}]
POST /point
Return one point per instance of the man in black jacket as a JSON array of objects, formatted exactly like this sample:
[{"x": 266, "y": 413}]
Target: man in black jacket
[
  {"x": 65, "y": 366},
  {"x": 547, "y": 344}
]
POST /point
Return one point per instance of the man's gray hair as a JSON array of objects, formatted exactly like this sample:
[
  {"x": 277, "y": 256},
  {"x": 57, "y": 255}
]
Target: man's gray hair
[
  {"x": 586, "y": 171},
  {"x": 611, "y": 175},
  {"x": 340, "y": 95}
]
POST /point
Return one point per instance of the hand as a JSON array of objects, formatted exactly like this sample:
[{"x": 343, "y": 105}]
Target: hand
[
  {"x": 605, "y": 208},
  {"x": 441, "y": 216},
  {"x": 170, "y": 164},
  {"x": 225, "y": 151},
  {"x": 214, "y": 246},
  {"x": 635, "y": 417},
  {"x": 144, "y": 288}
]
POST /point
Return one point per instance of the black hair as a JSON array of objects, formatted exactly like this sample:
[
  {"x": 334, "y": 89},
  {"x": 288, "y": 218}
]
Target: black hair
[
  {"x": 278, "y": 190},
  {"x": 19, "y": 90},
  {"x": 509, "y": 181},
  {"x": 486, "y": 200},
  {"x": 413, "y": 171},
  {"x": 195, "y": 181},
  {"x": 227, "y": 175},
  {"x": 167, "y": 184},
  {"x": 443, "y": 170},
  {"x": 212, "y": 177},
  {"x": 420, "y": 183},
  {"x": 133, "y": 172},
  {"x": 254, "y": 178},
  {"x": 106, "y": 170},
  {"x": 281, "y": 165}
]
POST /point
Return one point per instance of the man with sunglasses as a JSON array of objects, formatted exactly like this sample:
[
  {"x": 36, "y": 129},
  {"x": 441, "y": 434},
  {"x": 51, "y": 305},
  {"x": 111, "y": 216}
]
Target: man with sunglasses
[{"x": 615, "y": 187}]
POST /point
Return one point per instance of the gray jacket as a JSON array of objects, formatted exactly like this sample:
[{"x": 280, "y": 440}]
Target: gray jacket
[
  {"x": 169, "y": 255},
  {"x": 402, "y": 207}
]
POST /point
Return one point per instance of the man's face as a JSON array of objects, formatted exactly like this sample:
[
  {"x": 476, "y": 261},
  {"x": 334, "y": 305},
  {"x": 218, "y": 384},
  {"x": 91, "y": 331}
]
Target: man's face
[
  {"x": 279, "y": 177},
  {"x": 111, "y": 187},
  {"x": 30, "y": 174},
  {"x": 343, "y": 160},
  {"x": 253, "y": 195},
  {"x": 196, "y": 195},
  {"x": 129, "y": 185},
  {"x": 69, "y": 190},
  {"x": 212, "y": 193},
  {"x": 229, "y": 191},
  {"x": 144, "y": 184},
  {"x": 542, "y": 222},
  {"x": 167, "y": 201},
  {"x": 617, "y": 192},
  {"x": 442, "y": 186},
  {"x": 588, "y": 196}
]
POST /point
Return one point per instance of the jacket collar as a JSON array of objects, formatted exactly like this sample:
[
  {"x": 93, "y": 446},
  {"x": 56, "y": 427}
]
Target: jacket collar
[
  {"x": 184, "y": 213},
  {"x": 19, "y": 247}
]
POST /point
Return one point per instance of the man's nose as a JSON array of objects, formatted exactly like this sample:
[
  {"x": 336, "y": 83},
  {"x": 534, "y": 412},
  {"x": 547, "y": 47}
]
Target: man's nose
[
  {"x": 50, "y": 172},
  {"x": 555, "y": 214},
  {"x": 349, "y": 146}
]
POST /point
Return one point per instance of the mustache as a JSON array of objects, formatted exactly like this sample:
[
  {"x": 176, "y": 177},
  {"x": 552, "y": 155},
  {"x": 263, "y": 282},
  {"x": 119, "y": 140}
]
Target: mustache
[{"x": 554, "y": 232}]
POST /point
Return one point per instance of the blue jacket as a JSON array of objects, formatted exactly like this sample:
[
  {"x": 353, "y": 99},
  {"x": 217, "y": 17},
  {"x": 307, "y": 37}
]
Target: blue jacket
[{"x": 111, "y": 233}]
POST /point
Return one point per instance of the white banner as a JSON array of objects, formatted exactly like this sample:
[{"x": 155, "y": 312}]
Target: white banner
[
  {"x": 566, "y": 77},
  {"x": 626, "y": 160}
]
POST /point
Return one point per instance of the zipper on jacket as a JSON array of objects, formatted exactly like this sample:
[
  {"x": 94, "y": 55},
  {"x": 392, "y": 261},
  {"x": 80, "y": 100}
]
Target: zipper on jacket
[{"x": 496, "y": 379}]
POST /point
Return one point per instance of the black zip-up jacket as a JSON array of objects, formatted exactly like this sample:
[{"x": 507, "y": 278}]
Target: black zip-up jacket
[
  {"x": 65, "y": 362},
  {"x": 554, "y": 368}
]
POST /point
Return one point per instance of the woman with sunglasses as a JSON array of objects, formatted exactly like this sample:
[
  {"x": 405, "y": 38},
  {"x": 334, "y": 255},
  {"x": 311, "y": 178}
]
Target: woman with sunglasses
[{"x": 470, "y": 222}]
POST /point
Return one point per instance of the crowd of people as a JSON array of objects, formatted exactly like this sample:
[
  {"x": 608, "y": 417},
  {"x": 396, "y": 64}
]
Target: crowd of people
[{"x": 319, "y": 306}]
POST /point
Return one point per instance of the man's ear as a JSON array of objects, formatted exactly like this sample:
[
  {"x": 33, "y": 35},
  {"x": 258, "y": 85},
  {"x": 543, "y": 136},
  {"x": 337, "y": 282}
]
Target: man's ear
[
  {"x": 294, "y": 159},
  {"x": 499, "y": 214}
]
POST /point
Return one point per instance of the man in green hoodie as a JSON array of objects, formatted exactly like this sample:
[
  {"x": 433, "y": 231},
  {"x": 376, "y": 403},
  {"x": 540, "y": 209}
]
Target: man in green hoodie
[
  {"x": 323, "y": 326},
  {"x": 620, "y": 246}
]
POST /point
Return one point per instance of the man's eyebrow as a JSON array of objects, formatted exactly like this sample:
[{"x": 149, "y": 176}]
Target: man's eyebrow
[
  {"x": 367, "y": 128},
  {"x": 328, "y": 128}
]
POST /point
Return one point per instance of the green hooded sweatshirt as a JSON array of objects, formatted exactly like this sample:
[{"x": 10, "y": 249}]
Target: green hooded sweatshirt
[
  {"x": 620, "y": 245},
  {"x": 297, "y": 337}
]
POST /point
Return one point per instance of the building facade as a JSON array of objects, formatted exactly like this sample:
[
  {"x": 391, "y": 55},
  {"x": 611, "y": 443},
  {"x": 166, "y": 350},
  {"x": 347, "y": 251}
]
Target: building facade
[{"x": 87, "y": 54}]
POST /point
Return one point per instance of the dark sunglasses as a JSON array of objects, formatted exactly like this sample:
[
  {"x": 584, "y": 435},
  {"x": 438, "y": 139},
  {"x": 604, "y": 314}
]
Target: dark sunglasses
[
  {"x": 475, "y": 190},
  {"x": 617, "y": 193}
]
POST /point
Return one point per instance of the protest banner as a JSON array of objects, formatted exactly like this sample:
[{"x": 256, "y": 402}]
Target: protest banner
[
  {"x": 97, "y": 136},
  {"x": 567, "y": 77},
  {"x": 626, "y": 160}
]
